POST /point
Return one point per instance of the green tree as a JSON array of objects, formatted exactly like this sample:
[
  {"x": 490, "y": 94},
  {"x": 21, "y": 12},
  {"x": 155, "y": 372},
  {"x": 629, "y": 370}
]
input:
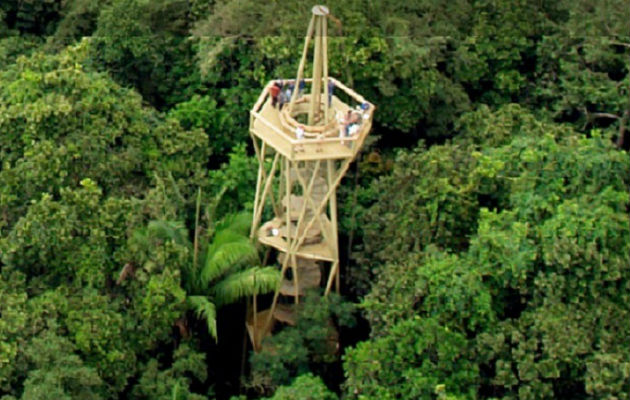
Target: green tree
[
  {"x": 220, "y": 268},
  {"x": 532, "y": 304},
  {"x": 32, "y": 16},
  {"x": 13, "y": 322},
  {"x": 144, "y": 44},
  {"x": 415, "y": 360},
  {"x": 307, "y": 387},
  {"x": 56, "y": 372},
  {"x": 582, "y": 72},
  {"x": 84, "y": 164},
  {"x": 172, "y": 383},
  {"x": 312, "y": 345}
]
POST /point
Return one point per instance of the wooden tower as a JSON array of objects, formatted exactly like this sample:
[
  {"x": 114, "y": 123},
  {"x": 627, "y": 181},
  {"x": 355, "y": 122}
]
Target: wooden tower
[{"x": 305, "y": 132}]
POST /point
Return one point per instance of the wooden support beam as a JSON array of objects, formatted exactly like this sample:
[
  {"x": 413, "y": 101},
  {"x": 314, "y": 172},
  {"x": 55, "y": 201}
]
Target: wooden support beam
[
  {"x": 296, "y": 277},
  {"x": 258, "y": 187},
  {"x": 259, "y": 209},
  {"x": 316, "y": 87},
  {"x": 260, "y": 154},
  {"x": 307, "y": 41},
  {"x": 325, "y": 62},
  {"x": 287, "y": 205},
  {"x": 312, "y": 204},
  {"x": 342, "y": 170},
  {"x": 331, "y": 275},
  {"x": 333, "y": 215},
  {"x": 274, "y": 302}
]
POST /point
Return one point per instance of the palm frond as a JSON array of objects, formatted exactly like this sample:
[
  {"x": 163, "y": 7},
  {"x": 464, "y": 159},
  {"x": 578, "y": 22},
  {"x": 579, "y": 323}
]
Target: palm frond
[
  {"x": 211, "y": 209},
  {"x": 204, "y": 309},
  {"x": 245, "y": 283},
  {"x": 221, "y": 257},
  {"x": 173, "y": 230},
  {"x": 239, "y": 223},
  {"x": 226, "y": 236}
]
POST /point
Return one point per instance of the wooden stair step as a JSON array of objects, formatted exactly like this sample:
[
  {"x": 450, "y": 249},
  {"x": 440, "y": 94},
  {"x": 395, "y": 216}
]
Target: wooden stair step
[
  {"x": 262, "y": 331},
  {"x": 285, "y": 313},
  {"x": 308, "y": 278}
]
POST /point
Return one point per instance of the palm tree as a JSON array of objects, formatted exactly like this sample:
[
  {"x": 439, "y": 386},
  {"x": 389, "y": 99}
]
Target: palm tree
[{"x": 228, "y": 270}]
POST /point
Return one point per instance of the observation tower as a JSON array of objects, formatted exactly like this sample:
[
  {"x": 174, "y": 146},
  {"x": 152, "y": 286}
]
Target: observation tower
[{"x": 306, "y": 132}]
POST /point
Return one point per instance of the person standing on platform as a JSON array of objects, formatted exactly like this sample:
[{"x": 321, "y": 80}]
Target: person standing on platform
[
  {"x": 274, "y": 91},
  {"x": 301, "y": 87},
  {"x": 331, "y": 87},
  {"x": 299, "y": 132}
]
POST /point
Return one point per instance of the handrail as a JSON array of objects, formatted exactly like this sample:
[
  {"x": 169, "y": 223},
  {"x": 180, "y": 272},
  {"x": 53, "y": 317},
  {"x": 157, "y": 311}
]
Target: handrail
[
  {"x": 350, "y": 92},
  {"x": 261, "y": 98}
]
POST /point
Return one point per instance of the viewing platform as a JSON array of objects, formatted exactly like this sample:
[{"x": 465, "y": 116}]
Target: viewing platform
[{"x": 279, "y": 128}]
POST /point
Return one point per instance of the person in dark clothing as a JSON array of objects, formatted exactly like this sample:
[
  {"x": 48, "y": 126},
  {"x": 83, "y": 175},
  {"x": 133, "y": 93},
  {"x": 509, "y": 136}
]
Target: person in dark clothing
[
  {"x": 331, "y": 87},
  {"x": 302, "y": 86}
]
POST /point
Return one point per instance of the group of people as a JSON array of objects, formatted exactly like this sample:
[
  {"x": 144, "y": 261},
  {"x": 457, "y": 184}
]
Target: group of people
[
  {"x": 350, "y": 123},
  {"x": 281, "y": 92}
]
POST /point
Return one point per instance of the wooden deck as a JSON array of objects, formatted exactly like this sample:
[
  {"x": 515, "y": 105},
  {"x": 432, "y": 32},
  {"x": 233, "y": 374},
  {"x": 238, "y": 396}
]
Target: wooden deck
[{"x": 268, "y": 127}]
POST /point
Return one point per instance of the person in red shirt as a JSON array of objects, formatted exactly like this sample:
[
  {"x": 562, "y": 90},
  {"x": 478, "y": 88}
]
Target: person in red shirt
[{"x": 274, "y": 91}]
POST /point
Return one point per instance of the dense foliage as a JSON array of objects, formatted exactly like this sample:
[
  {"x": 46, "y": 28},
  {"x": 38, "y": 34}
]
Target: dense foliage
[
  {"x": 530, "y": 301},
  {"x": 485, "y": 230}
]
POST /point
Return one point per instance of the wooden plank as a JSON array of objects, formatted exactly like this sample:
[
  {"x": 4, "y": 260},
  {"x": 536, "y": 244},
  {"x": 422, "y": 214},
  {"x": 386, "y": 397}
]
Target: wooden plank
[
  {"x": 262, "y": 97},
  {"x": 271, "y": 138},
  {"x": 351, "y": 93},
  {"x": 327, "y": 151},
  {"x": 318, "y": 251}
]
